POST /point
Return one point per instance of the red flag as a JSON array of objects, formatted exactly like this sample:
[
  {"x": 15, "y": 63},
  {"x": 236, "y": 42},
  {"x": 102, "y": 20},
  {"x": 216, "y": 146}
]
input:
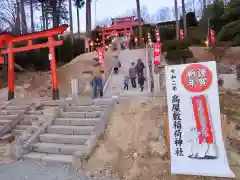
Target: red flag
[{"x": 157, "y": 53}]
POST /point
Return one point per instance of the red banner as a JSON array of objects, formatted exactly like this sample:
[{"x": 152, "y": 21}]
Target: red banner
[
  {"x": 158, "y": 36},
  {"x": 101, "y": 55},
  {"x": 181, "y": 34},
  {"x": 157, "y": 53},
  {"x": 212, "y": 37},
  {"x": 1, "y": 60}
]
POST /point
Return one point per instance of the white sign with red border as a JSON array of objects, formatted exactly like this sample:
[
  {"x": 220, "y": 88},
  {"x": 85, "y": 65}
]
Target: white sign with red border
[{"x": 196, "y": 142}]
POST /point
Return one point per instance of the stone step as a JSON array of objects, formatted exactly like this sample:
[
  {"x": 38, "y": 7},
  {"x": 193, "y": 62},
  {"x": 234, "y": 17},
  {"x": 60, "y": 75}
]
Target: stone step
[
  {"x": 95, "y": 114},
  {"x": 77, "y": 121},
  {"x": 64, "y": 139},
  {"x": 17, "y": 132},
  {"x": 53, "y": 148},
  {"x": 85, "y": 108},
  {"x": 98, "y": 101},
  {"x": 4, "y": 121},
  {"x": 52, "y": 158},
  {"x": 33, "y": 112},
  {"x": 22, "y": 127},
  {"x": 30, "y": 117},
  {"x": 21, "y": 102},
  {"x": 70, "y": 130},
  {"x": 10, "y": 117},
  {"x": 10, "y": 112},
  {"x": 16, "y": 107},
  {"x": 27, "y": 121}
]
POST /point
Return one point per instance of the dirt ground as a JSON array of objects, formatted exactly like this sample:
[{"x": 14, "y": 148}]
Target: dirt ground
[
  {"x": 232, "y": 55},
  {"x": 133, "y": 146}
]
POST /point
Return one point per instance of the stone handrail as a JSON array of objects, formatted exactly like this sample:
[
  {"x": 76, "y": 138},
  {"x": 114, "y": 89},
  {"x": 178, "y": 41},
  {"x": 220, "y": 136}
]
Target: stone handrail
[{"x": 8, "y": 127}]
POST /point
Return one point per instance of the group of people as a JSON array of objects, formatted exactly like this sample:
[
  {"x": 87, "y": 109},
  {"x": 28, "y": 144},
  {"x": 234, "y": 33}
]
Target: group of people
[{"x": 135, "y": 72}]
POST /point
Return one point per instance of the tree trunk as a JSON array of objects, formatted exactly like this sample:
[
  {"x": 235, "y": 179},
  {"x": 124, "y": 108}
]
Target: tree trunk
[
  {"x": 46, "y": 18},
  {"x": 184, "y": 18},
  {"x": 31, "y": 14},
  {"x": 43, "y": 16},
  {"x": 204, "y": 6},
  {"x": 78, "y": 21},
  {"x": 139, "y": 21},
  {"x": 90, "y": 15},
  {"x": 87, "y": 17},
  {"x": 18, "y": 21},
  {"x": 71, "y": 20},
  {"x": 23, "y": 17},
  {"x": 176, "y": 16},
  {"x": 54, "y": 13}
]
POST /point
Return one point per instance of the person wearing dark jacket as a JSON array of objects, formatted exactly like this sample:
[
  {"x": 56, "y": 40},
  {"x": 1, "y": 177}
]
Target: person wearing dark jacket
[
  {"x": 140, "y": 66},
  {"x": 141, "y": 80},
  {"x": 133, "y": 74},
  {"x": 117, "y": 66}
]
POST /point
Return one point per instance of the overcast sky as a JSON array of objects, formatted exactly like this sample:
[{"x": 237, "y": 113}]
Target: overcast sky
[{"x": 112, "y": 8}]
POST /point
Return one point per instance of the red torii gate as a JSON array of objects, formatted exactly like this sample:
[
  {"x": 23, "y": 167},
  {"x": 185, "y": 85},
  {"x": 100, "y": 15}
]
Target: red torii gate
[
  {"x": 115, "y": 30},
  {"x": 9, "y": 40},
  {"x": 122, "y": 25}
]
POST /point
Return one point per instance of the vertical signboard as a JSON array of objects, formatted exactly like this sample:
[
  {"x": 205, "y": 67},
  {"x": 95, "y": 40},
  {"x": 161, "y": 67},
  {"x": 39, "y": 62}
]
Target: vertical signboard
[
  {"x": 156, "y": 53},
  {"x": 196, "y": 141}
]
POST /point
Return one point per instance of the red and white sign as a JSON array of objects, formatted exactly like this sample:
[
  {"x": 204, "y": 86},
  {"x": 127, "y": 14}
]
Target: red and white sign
[
  {"x": 195, "y": 121},
  {"x": 157, "y": 53},
  {"x": 181, "y": 34},
  {"x": 101, "y": 55}
]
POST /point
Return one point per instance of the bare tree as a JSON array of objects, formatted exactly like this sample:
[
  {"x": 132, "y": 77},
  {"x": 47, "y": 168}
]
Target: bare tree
[
  {"x": 189, "y": 6},
  {"x": 23, "y": 17},
  {"x": 163, "y": 14},
  {"x": 9, "y": 19},
  {"x": 176, "y": 18},
  {"x": 144, "y": 13}
]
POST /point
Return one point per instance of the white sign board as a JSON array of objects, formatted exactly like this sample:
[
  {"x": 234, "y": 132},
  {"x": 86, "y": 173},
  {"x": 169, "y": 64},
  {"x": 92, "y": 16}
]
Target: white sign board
[{"x": 196, "y": 141}]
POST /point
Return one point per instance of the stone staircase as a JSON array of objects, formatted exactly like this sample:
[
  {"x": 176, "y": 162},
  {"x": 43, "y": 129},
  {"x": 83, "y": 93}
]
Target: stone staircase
[
  {"x": 11, "y": 111},
  {"x": 70, "y": 131}
]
